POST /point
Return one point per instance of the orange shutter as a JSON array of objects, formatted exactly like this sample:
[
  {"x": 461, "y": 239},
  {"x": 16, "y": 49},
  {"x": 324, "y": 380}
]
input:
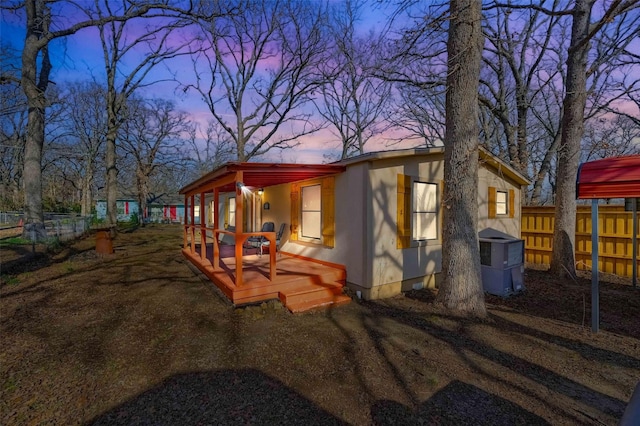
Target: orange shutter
[
  {"x": 328, "y": 211},
  {"x": 512, "y": 203},
  {"x": 403, "y": 239},
  {"x": 492, "y": 202},
  {"x": 295, "y": 211}
]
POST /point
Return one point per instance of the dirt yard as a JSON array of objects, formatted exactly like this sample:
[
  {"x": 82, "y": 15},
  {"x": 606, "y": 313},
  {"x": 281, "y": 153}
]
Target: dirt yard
[{"x": 137, "y": 338}]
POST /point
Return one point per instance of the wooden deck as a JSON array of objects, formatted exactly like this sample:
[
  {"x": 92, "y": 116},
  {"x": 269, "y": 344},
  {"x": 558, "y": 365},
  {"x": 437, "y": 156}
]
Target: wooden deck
[{"x": 300, "y": 284}]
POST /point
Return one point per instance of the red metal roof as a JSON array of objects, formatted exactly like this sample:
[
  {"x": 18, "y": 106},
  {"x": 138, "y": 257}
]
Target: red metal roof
[
  {"x": 260, "y": 175},
  {"x": 617, "y": 177}
]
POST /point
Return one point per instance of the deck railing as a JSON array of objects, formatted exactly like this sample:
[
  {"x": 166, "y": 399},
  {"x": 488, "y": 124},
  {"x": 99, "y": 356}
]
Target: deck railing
[{"x": 190, "y": 238}]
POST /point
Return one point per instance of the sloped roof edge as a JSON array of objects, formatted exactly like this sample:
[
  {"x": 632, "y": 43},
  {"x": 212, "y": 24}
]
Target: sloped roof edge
[
  {"x": 485, "y": 156},
  {"x": 502, "y": 167}
]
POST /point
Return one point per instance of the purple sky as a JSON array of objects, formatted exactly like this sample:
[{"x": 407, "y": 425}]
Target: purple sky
[{"x": 79, "y": 58}]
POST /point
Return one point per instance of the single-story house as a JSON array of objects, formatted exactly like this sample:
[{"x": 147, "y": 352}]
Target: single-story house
[
  {"x": 127, "y": 207},
  {"x": 165, "y": 209},
  {"x": 377, "y": 218}
]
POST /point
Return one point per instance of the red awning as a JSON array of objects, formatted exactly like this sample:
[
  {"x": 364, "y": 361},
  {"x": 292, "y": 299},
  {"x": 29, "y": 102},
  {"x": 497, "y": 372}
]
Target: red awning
[
  {"x": 617, "y": 177},
  {"x": 260, "y": 175}
]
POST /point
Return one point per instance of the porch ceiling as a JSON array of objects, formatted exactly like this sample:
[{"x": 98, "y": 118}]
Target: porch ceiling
[{"x": 258, "y": 175}]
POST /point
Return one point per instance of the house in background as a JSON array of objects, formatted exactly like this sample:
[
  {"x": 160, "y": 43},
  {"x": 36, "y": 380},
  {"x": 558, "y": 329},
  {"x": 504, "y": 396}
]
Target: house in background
[
  {"x": 127, "y": 208},
  {"x": 377, "y": 217},
  {"x": 163, "y": 209}
]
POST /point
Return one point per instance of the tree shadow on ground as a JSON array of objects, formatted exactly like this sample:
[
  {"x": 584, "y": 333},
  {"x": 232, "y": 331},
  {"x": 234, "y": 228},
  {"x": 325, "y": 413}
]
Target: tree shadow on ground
[
  {"x": 26, "y": 261},
  {"x": 585, "y": 350},
  {"x": 244, "y": 396},
  {"x": 464, "y": 344},
  {"x": 548, "y": 296},
  {"x": 458, "y": 403},
  {"x": 499, "y": 321}
]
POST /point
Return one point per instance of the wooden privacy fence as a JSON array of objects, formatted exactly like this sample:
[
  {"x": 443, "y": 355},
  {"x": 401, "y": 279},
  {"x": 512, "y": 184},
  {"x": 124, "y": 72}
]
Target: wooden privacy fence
[{"x": 614, "y": 236}]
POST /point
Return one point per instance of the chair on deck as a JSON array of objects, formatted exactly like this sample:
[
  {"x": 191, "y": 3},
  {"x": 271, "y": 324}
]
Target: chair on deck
[
  {"x": 226, "y": 239},
  {"x": 264, "y": 242},
  {"x": 258, "y": 241}
]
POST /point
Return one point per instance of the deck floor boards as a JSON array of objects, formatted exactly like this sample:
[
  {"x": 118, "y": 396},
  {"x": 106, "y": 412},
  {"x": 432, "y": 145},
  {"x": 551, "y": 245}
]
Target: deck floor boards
[{"x": 293, "y": 276}]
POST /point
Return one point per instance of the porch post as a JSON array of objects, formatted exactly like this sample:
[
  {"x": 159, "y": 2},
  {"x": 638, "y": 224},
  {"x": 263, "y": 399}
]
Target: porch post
[
  {"x": 272, "y": 258},
  {"x": 634, "y": 240},
  {"x": 239, "y": 228},
  {"x": 184, "y": 224},
  {"x": 203, "y": 229},
  {"x": 192, "y": 226},
  {"x": 216, "y": 222}
]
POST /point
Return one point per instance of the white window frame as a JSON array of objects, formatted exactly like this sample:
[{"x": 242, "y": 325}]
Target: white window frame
[
  {"x": 504, "y": 204},
  {"x": 232, "y": 211},
  {"x": 301, "y": 236},
  {"x": 435, "y": 212}
]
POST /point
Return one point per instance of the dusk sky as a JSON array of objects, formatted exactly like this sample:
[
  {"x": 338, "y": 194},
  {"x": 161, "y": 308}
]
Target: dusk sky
[{"x": 79, "y": 58}]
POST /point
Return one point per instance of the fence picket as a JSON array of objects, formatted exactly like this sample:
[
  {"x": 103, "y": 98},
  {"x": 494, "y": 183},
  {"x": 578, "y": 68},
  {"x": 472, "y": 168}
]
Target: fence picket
[{"x": 614, "y": 242}]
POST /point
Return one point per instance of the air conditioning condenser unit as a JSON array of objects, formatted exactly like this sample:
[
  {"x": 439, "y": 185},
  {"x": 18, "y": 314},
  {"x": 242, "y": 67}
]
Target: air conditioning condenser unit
[{"x": 502, "y": 263}]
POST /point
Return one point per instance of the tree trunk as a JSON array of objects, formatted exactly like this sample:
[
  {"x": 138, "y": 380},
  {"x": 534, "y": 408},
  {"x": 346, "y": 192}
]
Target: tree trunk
[
  {"x": 545, "y": 167},
  {"x": 110, "y": 160},
  {"x": 521, "y": 133},
  {"x": 461, "y": 288},
  {"x": 34, "y": 87},
  {"x": 87, "y": 181},
  {"x": 563, "y": 259},
  {"x": 142, "y": 184}
]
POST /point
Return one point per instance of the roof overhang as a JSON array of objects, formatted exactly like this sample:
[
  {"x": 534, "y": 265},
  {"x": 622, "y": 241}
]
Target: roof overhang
[
  {"x": 390, "y": 154},
  {"x": 617, "y": 177},
  {"x": 486, "y": 157},
  {"x": 258, "y": 175},
  {"x": 501, "y": 167}
]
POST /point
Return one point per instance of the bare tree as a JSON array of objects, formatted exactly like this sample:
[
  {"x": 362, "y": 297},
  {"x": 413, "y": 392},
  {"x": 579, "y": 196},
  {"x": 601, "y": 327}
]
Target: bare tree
[
  {"x": 421, "y": 112},
  {"x": 255, "y": 70},
  {"x": 583, "y": 31},
  {"x": 610, "y": 137},
  {"x": 127, "y": 71},
  {"x": 151, "y": 136},
  {"x": 516, "y": 70},
  {"x": 86, "y": 123},
  {"x": 13, "y": 119},
  {"x": 209, "y": 149},
  {"x": 63, "y": 158},
  {"x": 353, "y": 99},
  {"x": 415, "y": 62},
  {"x": 461, "y": 287},
  {"x": 35, "y": 77}
]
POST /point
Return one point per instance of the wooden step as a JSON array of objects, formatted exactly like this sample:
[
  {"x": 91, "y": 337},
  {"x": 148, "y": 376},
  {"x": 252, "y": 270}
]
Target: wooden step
[
  {"x": 313, "y": 296},
  {"x": 319, "y": 303},
  {"x": 294, "y": 286},
  {"x": 308, "y": 291}
]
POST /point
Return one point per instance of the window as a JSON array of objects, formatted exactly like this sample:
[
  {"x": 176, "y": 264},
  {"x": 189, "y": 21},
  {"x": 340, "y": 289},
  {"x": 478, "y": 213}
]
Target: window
[
  {"x": 196, "y": 214},
  {"x": 417, "y": 211},
  {"x": 501, "y": 202},
  {"x": 311, "y": 209},
  {"x": 425, "y": 211},
  {"x": 232, "y": 211}
]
